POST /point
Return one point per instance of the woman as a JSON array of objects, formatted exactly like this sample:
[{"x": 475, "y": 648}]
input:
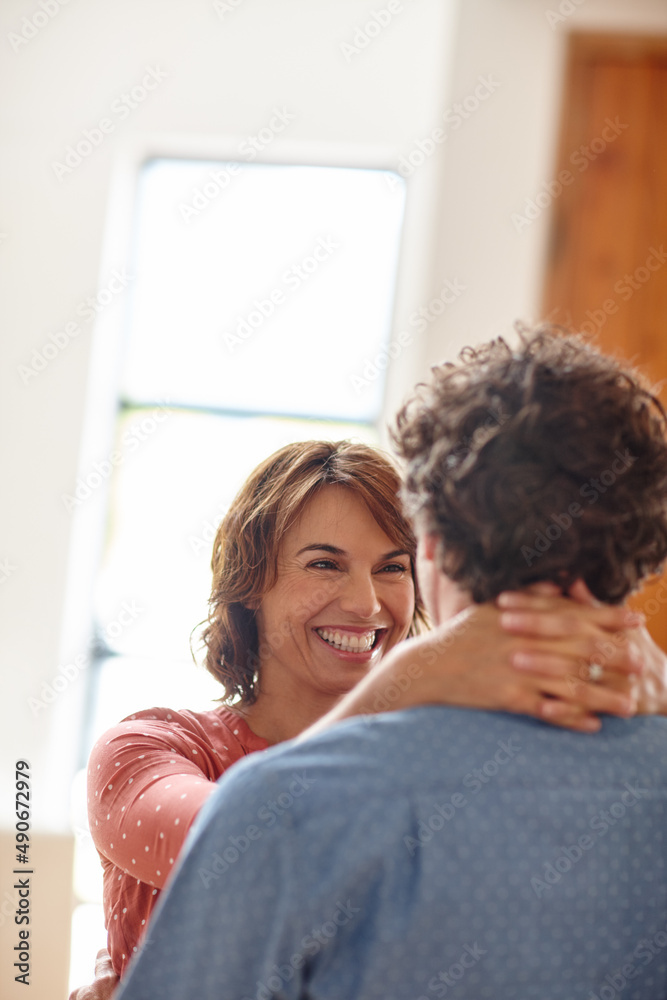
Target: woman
[{"x": 313, "y": 585}]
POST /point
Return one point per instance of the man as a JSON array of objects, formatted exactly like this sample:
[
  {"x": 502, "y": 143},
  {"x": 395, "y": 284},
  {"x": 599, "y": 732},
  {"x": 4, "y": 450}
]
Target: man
[{"x": 438, "y": 851}]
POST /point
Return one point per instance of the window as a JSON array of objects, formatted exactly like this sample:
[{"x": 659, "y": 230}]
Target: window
[{"x": 256, "y": 294}]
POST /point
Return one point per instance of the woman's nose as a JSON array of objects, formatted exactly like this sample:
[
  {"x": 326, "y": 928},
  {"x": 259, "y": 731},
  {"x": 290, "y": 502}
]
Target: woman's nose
[{"x": 359, "y": 596}]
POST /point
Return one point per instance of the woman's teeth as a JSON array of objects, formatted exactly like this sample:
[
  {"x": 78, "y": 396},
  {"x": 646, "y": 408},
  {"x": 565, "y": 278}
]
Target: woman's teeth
[{"x": 348, "y": 643}]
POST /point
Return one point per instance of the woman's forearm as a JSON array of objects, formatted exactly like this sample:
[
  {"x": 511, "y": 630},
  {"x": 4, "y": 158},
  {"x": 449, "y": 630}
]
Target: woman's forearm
[
  {"x": 469, "y": 662},
  {"x": 429, "y": 669}
]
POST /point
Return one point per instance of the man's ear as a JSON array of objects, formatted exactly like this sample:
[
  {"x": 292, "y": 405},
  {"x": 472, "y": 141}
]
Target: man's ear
[{"x": 428, "y": 542}]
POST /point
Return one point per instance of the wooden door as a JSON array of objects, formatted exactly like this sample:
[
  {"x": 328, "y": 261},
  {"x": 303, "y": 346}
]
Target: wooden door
[{"x": 606, "y": 270}]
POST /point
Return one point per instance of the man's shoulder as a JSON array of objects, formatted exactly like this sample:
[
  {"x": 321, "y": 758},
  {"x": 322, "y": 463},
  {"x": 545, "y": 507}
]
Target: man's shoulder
[
  {"x": 444, "y": 733},
  {"x": 406, "y": 754}
]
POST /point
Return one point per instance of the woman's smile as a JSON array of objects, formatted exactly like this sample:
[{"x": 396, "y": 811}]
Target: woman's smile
[
  {"x": 356, "y": 643},
  {"x": 342, "y": 597}
]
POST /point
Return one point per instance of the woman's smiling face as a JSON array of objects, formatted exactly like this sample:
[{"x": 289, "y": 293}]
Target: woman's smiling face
[{"x": 343, "y": 596}]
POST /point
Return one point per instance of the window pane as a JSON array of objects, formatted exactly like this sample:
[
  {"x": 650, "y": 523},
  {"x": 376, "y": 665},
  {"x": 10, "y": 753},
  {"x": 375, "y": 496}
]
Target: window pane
[
  {"x": 128, "y": 684},
  {"x": 271, "y": 295},
  {"x": 175, "y": 474}
]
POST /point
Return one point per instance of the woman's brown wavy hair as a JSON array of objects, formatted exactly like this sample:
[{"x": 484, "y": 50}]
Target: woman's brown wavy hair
[
  {"x": 547, "y": 461},
  {"x": 245, "y": 551}
]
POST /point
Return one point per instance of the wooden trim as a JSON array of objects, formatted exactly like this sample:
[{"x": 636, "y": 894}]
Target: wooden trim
[
  {"x": 586, "y": 46},
  {"x": 584, "y": 50}
]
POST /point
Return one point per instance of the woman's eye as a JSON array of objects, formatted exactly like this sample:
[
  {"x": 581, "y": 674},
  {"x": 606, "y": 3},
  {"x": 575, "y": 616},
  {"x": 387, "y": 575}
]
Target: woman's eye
[
  {"x": 323, "y": 564},
  {"x": 395, "y": 568}
]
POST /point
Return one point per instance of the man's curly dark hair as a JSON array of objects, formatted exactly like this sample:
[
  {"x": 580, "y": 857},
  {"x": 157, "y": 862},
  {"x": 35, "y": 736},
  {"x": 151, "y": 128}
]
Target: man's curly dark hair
[{"x": 543, "y": 462}]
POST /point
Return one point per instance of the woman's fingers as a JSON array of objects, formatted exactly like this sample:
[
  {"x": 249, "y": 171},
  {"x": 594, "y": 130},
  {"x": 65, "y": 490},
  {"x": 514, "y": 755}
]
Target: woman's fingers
[
  {"x": 544, "y": 614},
  {"x": 541, "y": 623},
  {"x": 564, "y": 714},
  {"x": 533, "y": 701},
  {"x": 103, "y": 966},
  {"x": 563, "y": 634},
  {"x": 531, "y": 600},
  {"x": 617, "y": 657},
  {"x": 614, "y": 618},
  {"x": 572, "y": 701},
  {"x": 618, "y": 654},
  {"x": 545, "y": 664},
  {"x": 599, "y": 698}
]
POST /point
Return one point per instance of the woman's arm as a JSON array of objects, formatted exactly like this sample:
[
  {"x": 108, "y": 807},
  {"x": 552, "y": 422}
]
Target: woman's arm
[
  {"x": 147, "y": 780},
  {"x": 526, "y": 659},
  {"x": 148, "y": 777}
]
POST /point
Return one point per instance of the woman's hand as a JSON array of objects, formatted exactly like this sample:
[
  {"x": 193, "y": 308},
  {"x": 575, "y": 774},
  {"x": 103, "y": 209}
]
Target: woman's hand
[
  {"x": 534, "y": 661},
  {"x": 627, "y": 659},
  {"x": 105, "y": 983},
  {"x": 618, "y": 651}
]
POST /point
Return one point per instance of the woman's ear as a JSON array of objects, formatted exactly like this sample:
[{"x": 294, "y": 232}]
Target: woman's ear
[{"x": 252, "y": 604}]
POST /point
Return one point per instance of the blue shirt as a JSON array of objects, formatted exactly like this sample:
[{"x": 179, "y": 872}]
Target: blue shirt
[{"x": 422, "y": 854}]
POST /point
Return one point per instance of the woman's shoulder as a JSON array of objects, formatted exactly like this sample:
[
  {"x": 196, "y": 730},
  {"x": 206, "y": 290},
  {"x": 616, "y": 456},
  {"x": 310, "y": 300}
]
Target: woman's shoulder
[
  {"x": 220, "y": 718},
  {"x": 161, "y": 741},
  {"x": 224, "y": 719},
  {"x": 220, "y": 728}
]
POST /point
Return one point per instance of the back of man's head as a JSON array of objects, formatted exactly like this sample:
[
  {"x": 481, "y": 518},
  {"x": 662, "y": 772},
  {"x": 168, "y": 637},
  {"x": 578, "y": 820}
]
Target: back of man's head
[{"x": 543, "y": 462}]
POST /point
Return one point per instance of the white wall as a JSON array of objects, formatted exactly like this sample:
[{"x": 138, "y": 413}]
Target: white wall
[{"x": 224, "y": 77}]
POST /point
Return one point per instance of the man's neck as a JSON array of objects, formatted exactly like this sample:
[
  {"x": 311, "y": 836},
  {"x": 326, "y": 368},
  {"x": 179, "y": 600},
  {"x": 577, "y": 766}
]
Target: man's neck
[{"x": 447, "y": 600}]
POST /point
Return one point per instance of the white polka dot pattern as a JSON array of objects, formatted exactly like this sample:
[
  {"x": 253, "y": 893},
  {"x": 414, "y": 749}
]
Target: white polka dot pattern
[{"x": 164, "y": 764}]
